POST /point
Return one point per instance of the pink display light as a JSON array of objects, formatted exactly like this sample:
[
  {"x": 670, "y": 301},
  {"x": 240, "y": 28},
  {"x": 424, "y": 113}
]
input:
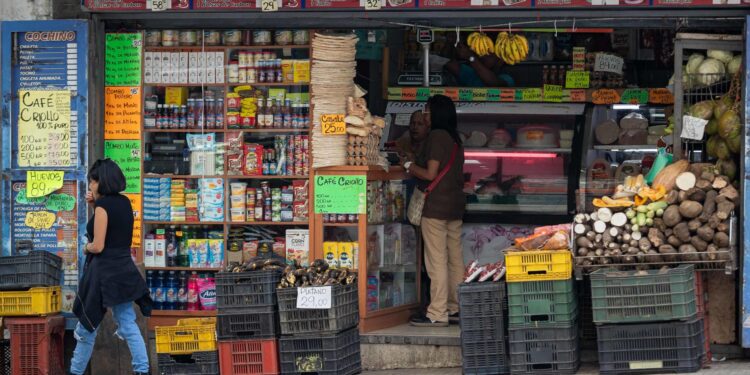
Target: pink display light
[{"x": 497, "y": 154}]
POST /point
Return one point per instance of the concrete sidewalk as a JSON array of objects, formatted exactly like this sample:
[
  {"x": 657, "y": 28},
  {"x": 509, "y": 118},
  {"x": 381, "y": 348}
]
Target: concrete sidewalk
[{"x": 717, "y": 368}]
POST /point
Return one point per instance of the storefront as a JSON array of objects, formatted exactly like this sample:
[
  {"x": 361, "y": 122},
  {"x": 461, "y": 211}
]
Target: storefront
[{"x": 213, "y": 105}]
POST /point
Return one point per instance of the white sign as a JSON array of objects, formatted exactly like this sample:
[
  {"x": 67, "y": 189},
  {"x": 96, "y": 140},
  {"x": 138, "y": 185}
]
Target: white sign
[
  {"x": 315, "y": 297},
  {"x": 608, "y": 63},
  {"x": 693, "y": 127},
  {"x": 269, "y": 5},
  {"x": 373, "y": 4},
  {"x": 157, "y": 5}
]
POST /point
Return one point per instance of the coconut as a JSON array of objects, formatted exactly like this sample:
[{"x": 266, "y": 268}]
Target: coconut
[
  {"x": 721, "y": 106},
  {"x": 703, "y": 110},
  {"x": 734, "y": 144},
  {"x": 729, "y": 124},
  {"x": 721, "y": 149},
  {"x": 727, "y": 168},
  {"x": 712, "y": 127}
]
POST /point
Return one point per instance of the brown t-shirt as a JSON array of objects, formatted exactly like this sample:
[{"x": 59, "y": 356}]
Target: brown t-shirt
[{"x": 447, "y": 200}]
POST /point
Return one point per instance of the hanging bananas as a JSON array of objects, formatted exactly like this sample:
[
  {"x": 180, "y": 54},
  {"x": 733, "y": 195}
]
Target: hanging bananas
[
  {"x": 511, "y": 48},
  {"x": 481, "y": 44}
]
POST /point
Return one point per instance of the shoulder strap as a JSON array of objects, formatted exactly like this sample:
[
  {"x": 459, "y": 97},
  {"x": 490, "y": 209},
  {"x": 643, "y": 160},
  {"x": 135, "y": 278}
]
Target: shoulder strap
[{"x": 444, "y": 171}]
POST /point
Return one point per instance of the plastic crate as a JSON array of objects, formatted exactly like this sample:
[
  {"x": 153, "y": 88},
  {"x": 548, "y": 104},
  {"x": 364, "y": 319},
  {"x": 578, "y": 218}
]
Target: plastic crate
[
  {"x": 257, "y": 323},
  {"x": 586, "y": 326},
  {"x": 643, "y": 296},
  {"x": 701, "y": 300},
  {"x": 651, "y": 348},
  {"x": 249, "y": 357},
  {"x": 343, "y": 314},
  {"x": 544, "y": 350},
  {"x": 5, "y": 357},
  {"x": 323, "y": 355},
  {"x": 187, "y": 337},
  {"x": 538, "y": 265},
  {"x": 246, "y": 289},
  {"x": 485, "y": 358},
  {"x": 199, "y": 363},
  {"x": 35, "y": 301},
  {"x": 483, "y": 339},
  {"x": 37, "y": 345},
  {"x": 37, "y": 268},
  {"x": 542, "y": 304}
]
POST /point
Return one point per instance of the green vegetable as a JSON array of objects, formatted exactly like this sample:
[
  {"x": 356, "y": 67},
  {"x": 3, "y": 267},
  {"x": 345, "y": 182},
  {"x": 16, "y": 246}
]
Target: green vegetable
[
  {"x": 660, "y": 212},
  {"x": 712, "y": 127},
  {"x": 722, "y": 105},
  {"x": 657, "y": 205},
  {"x": 734, "y": 144},
  {"x": 642, "y": 209},
  {"x": 722, "y": 150},
  {"x": 649, "y": 222},
  {"x": 650, "y": 214},
  {"x": 635, "y": 228},
  {"x": 630, "y": 214},
  {"x": 641, "y": 219}
]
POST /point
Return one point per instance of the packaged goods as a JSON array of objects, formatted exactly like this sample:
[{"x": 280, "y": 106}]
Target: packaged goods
[
  {"x": 298, "y": 246},
  {"x": 207, "y": 296},
  {"x": 345, "y": 251},
  {"x": 330, "y": 252}
]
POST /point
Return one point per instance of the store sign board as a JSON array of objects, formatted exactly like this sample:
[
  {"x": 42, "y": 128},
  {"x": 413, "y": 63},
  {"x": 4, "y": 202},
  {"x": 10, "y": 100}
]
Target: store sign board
[
  {"x": 529, "y": 95},
  {"x": 577, "y": 79},
  {"x": 608, "y": 63},
  {"x": 465, "y": 95},
  {"x": 451, "y": 93},
  {"x": 634, "y": 96},
  {"x": 127, "y": 154},
  {"x": 122, "y": 113},
  {"x": 340, "y": 194},
  {"x": 676, "y": 3},
  {"x": 423, "y": 93},
  {"x": 660, "y": 96},
  {"x": 553, "y": 93},
  {"x": 408, "y": 93},
  {"x": 693, "y": 128},
  {"x": 122, "y": 59},
  {"x": 605, "y": 96},
  {"x": 357, "y": 4},
  {"x": 479, "y": 95},
  {"x": 589, "y": 3},
  {"x": 493, "y": 95},
  {"x": 44, "y": 128},
  {"x": 132, "y": 5},
  {"x": 574, "y": 96},
  {"x": 507, "y": 95},
  {"x": 42, "y": 183},
  {"x": 136, "y": 202},
  {"x": 579, "y": 58},
  {"x": 475, "y": 4}
]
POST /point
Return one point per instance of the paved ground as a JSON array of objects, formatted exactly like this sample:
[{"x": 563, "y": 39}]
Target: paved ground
[{"x": 718, "y": 368}]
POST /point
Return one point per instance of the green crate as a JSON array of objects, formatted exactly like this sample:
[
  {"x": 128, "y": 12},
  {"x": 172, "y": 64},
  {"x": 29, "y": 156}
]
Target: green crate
[
  {"x": 542, "y": 303},
  {"x": 643, "y": 296}
]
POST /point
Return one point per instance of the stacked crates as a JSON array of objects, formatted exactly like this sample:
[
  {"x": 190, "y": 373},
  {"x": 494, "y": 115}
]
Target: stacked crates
[
  {"x": 484, "y": 346},
  {"x": 647, "y": 321},
  {"x": 542, "y": 312},
  {"x": 320, "y": 341},
  {"x": 188, "y": 348},
  {"x": 248, "y": 322},
  {"x": 31, "y": 296}
]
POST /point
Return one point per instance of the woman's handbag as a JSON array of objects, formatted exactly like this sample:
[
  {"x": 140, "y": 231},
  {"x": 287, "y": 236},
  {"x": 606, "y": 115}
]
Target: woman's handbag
[{"x": 418, "y": 197}]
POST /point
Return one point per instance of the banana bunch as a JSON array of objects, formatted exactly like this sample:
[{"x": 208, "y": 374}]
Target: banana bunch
[
  {"x": 481, "y": 44},
  {"x": 511, "y": 48}
]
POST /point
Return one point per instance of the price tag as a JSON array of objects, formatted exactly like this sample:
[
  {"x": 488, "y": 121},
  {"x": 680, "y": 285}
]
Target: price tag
[
  {"x": 553, "y": 93},
  {"x": 315, "y": 297},
  {"x": 42, "y": 183},
  {"x": 158, "y": 5},
  {"x": 608, "y": 63},
  {"x": 577, "y": 96},
  {"x": 373, "y": 5},
  {"x": 531, "y": 95},
  {"x": 605, "y": 96},
  {"x": 577, "y": 80},
  {"x": 579, "y": 58},
  {"x": 423, "y": 94},
  {"x": 660, "y": 96},
  {"x": 493, "y": 95},
  {"x": 333, "y": 124},
  {"x": 465, "y": 95},
  {"x": 452, "y": 94},
  {"x": 635, "y": 96},
  {"x": 693, "y": 127},
  {"x": 39, "y": 219},
  {"x": 479, "y": 95},
  {"x": 269, "y": 5}
]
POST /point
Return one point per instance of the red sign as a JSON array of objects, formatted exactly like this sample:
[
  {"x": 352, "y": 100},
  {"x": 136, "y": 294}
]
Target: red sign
[
  {"x": 240, "y": 4},
  {"x": 474, "y": 3},
  {"x": 130, "y": 4},
  {"x": 674, "y": 3},
  {"x": 590, "y": 3},
  {"x": 357, "y": 4}
]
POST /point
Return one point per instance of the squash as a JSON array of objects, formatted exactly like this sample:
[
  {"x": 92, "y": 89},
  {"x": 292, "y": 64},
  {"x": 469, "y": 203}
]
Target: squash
[{"x": 667, "y": 176}]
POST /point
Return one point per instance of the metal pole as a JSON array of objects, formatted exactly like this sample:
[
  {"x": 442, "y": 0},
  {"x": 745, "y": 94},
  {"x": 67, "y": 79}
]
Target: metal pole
[{"x": 426, "y": 67}]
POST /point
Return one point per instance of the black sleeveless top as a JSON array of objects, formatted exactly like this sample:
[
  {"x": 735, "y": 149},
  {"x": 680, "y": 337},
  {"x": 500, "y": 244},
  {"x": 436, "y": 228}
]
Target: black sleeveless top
[{"x": 119, "y": 222}]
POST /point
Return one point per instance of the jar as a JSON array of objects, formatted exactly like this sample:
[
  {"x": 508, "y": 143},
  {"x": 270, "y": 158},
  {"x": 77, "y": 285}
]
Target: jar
[
  {"x": 211, "y": 37},
  {"x": 268, "y": 55},
  {"x": 153, "y": 38},
  {"x": 252, "y": 75},
  {"x": 188, "y": 38},
  {"x": 242, "y": 76},
  {"x": 257, "y": 58},
  {"x": 233, "y": 72},
  {"x": 243, "y": 55},
  {"x": 232, "y": 37},
  {"x": 169, "y": 38},
  {"x": 261, "y": 37},
  {"x": 283, "y": 37},
  {"x": 301, "y": 37}
]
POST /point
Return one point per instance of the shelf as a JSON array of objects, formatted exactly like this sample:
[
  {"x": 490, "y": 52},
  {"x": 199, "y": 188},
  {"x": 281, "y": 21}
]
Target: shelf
[
  {"x": 192, "y": 130},
  {"x": 183, "y": 269},
  {"x": 635, "y": 148},
  {"x": 184, "y": 313},
  {"x": 277, "y": 223},
  {"x": 147, "y": 222},
  {"x": 519, "y": 208},
  {"x": 515, "y": 150},
  {"x": 221, "y": 48},
  {"x": 272, "y": 130},
  {"x": 340, "y": 224},
  {"x": 268, "y": 177},
  {"x": 179, "y": 176},
  {"x": 184, "y": 84},
  {"x": 266, "y": 84}
]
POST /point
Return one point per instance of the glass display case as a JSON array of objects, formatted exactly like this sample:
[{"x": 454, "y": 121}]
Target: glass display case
[{"x": 519, "y": 157}]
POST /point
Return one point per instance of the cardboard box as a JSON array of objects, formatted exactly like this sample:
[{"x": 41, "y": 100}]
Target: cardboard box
[
  {"x": 183, "y": 72},
  {"x": 331, "y": 253},
  {"x": 298, "y": 246},
  {"x": 148, "y": 252},
  {"x": 174, "y": 67},
  {"x": 165, "y": 66},
  {"x": 219, "y": 67},
  {"x": 176, "y": 95},
  {"x": 193, "y": 67},
  {"x": 301, "y": 71},
  {"x": 201, "y": 67}
]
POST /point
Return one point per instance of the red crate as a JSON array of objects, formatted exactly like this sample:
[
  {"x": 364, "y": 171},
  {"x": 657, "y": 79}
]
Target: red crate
[
  {"x": 37, "y": 345},
  {"x": 249, "y": 357},
  {"x": 701, "y": 301}
]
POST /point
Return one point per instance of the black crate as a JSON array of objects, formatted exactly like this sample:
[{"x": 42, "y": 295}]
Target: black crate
[
  {"x": 198, "y": 363},
  {"x": 323, "y": 355},
  {"x": 236, "y": 290},
  {"x": 482, "y": 299},
  {"x": 674, "y": 347},
  {"x": 37, "y": 268},
  {"x": 585, "y": 315},
  {"x": 485, "y": 357},
  {"x": 483, "y": 327},
  {"x": 343, "y": 314},
  {"x": 544, "y": 350},
  {"x": 248, "y": 324},
  {"x": 5, "y": 356}
]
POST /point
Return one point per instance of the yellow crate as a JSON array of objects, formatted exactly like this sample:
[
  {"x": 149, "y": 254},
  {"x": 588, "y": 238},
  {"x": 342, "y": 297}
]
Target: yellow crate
[
  {"x": 35, "y": 301},
  {"x": 187, "y": 337},
  {"x": 538, "y": 265}
]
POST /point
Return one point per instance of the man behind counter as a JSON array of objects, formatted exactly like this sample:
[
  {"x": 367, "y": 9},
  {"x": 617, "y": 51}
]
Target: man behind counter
[{"x": 471, "y": 70}]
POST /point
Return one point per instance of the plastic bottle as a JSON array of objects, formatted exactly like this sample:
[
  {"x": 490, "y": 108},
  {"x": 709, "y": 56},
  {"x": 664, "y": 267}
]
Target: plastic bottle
[
  {"x": 182, "y": 293},
  {"x": 171, "y": 291},
  {"x": 159, "y": 291},
  {"x": 192, "y": 292},
  {"x": 151, "y": 282},
  {"x": 172, "y": 246}
]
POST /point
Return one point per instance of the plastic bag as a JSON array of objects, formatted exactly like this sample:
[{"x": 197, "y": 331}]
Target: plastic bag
[
  {"x": 662, "y": 160},
  {"x": 207, "y": 293}
]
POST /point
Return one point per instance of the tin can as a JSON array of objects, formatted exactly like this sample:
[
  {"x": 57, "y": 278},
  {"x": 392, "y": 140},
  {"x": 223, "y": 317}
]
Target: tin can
[
  {"x": 341, "y": 218},
  {"x": 242, "y": 75},
  {"x": 301, "y": 37},
  {"x": 283, "y": 37},
  {"x": 153, "y": 38},
  {"x": 261, "y": 37},
  {"x": 352, "y": 218},
  {"x": 211, "y": 37},
  {"x": 188, "y": 38},
  {"x": 233, "y": 72},
  {"x": 231, "y": 37},
  {"x": 169, "y": 38}
]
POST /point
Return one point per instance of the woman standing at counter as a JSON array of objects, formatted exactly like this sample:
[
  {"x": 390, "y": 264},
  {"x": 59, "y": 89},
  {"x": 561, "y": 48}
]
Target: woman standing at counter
[{"x": 439, "y": 166}]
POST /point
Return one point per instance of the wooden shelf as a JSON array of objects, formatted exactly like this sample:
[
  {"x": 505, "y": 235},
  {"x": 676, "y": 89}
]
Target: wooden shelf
[
  {"x": 192, "y": 130},
  {"x": 269, "y": 84},
  {"x": 222, "y": 48},
  {"x": 273, "y": 130},
  {"x": 268, "y": 177},
  {"x": 184, "y": 84},
  {"x": 147, "y": 222},
  {"x": 183, "y": 269},
  {"x": 184, "y": 313},
  {"x": 340, "y": 224},
  {"x": 179, "y": 176},
  {"x": 277, "y": 223}
]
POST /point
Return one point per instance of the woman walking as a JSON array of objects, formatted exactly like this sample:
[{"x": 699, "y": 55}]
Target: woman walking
[
  {"x": 440, "y": 167},
  {"x": 110, "y": 278}
]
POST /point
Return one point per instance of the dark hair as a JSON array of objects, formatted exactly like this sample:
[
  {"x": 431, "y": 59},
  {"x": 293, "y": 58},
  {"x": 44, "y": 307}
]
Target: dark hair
[
  {"x": 109, "y": 176},
  {"x": 443, "y": 115}
]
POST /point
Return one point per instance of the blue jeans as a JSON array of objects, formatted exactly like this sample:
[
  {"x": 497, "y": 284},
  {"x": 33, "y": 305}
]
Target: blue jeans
[{"x": 127, "y": 330}]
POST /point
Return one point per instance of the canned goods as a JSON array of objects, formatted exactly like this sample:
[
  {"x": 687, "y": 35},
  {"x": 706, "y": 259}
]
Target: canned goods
[
  {"x": 233, "y": 72},
  {"x": 211, "y": 37},
  {"x": 301, "y": 37},
  {"x": 242, "y": 75},
  {"x": 352, "y": 218},
  {"x": 341, "y": 218},
  {"x": 261, "y": 37},
  {"x": 169, "y": 38},
  {"x": 283, "y": 37},
  {"x": 232, "y": 37},
  {"x": 242, "y": 59},
  {"x": 153, "y": 38},
  {"x": 188, "y": 38}
]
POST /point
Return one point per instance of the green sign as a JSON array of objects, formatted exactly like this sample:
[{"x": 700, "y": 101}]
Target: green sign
[
  {"x": 21, "y": 198},
  {"x": 577, "y": 80},
  {"x": 423, "y": 94},
  {"x": 127, "y": 154},
  {"x": 340, "y": 194},
  {"x": 122, "y": 59},
  {"x": 634, "y": 96},
  {"x": 493, "y": 95},
  {"x": 465, "y": 95},
  {"x": 553, "y": 93},
  {"x": 531, "y": 95},
  {"x": 61, "y": 202}
]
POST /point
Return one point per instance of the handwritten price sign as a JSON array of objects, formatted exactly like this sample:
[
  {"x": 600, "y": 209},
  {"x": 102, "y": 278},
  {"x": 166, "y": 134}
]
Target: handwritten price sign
[
  {"x": 41, "y": 183},
  {"x": 333, "y": 124},
  {"x": 318, "y": 297},
  {"x": 39, "y": 219},
  {"x": 373, "y": 5},
  {"x": 269, "y": 5}
]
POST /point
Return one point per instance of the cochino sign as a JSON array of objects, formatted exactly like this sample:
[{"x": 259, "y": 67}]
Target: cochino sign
[{"x": 50, "y": 36}]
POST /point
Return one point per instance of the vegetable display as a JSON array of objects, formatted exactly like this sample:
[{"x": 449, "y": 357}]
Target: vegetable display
[{"x": 317, "y": 274}]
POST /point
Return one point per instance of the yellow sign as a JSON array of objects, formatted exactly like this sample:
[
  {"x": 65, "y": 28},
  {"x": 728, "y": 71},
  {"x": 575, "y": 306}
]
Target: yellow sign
[
  {"x": 577, "y": 79},
  {"x": 553, "y": 93},
  {"x": 333, "y": 124},
  {"x": 122, "y": 113},
  {"x": 41, "y": 183},
  {"x": 39, "y": 219},
  {"x": 44, "y": 128},
  {"x": 531, "y": 95}
]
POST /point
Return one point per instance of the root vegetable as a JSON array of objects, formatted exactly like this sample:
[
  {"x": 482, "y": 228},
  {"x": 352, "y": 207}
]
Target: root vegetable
[
  {"x": 682, "y": 232},
  {"x": 672, "y": 216},
  {"x": 625, "y": 237},
  {"x": 723, "y": 227},
  {"x": 725, "y": 253},
  {"x": 685, "y": 181},
  {"x": 724, "y": 210},
  {"x": 668, "y": 253},
  {"x": 628, "y": 259},
  {"x": 708, "y": 176},
  {"x": 644, "y": 229},
  {"x": 619, "y": 239},
  {"x": 688, "y": 253},
  {"x": 690, "y": 209},
  {"x": 599, "y": 252},
  {"x": 583, "y": 242},
  {"x": 668, "y": 232},
  {"x": 628, "y": 227},
  {"x": 667, "y": 176},
  {"x": 721, "y": 239},
  {"x": 591, "y": 235},
  {"x": 635, "y": 236},
  {"x": 580, "y": 219},
  {"x": 607, "y": 238},
  {"x": 730, "y": 192},
  {"x": 698, "y": 243},
  {"x": 694, "y": 224},
  {"x": 721, "y": 182},
  {"x": 582, "y": 251},
  {"x": 632, "y": 250},
  {"x": 593, "y": 217},
  {"x": 682, "y": 196},
  {"x": 696, "y": 194},
  {"x": 656, "y": 237},
  {"x": 653, "y": 257},
  {"x": 618, "y": 220},
  {"x": 712, "y": 251},
  {"x": 581, "y": 229},
  {"x": 613, "y": 245},
  {"x": 644, "y": 244},
  {"x": 598, "y": 238},
  {"x": 674, "y": 241},
  {"x": 714, "y": 222},
  {"x": 704, "y": 185},
  {"x": 672, "y": 197},
  {"x": 600, "y": 226},
  {"x": 706, "y": 233},
  {"x": 604, "y": 214},
  {"x": 659, "y": 224},
  {"x": 614, "y": 232},
  {"x": 709, "y": 206},
  {"x": 699, "y": 168}
]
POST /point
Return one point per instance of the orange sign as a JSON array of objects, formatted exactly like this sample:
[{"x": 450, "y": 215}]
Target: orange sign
[
  {"x": 122, "y": 113},
  {"x": 135, "y": 202},
  {"x": 408, "y": 94},
  {"x": 577, "y": 96},
  {"x": 660, "y": 96},
  {"x": 333, "y": 124},
  {"x": 451, "y": 93},
  {"x": 605, "y": 96},
  {"x": 507, "y": 95}
]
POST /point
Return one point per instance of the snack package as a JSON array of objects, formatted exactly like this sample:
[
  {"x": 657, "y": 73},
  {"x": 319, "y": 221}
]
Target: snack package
[
  {"x": 472, "y": 271},
  {"x": 207, "y": 293},
  {"x": 558, "y": 241}
]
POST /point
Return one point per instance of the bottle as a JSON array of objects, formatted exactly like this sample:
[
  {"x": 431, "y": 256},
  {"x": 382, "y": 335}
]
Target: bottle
[
  {"x": 182, "y": 118},
  {"x": 268, "y": 114},
  {"x": 287, "y": 114},
  {"x": 305, "y": 115},
  {"x": 171, "y": 247},
  {"x": 174, "y": 119},
  {"x": 182, "y": 252},
  {"x": 545, "y": 75},
  {"x": 151, "y": 282},
  {"x": 278, "y": 116},
  {"x": 193, "y": 302},
  {"x": 279, "y": 75},
  {"x": 159, "y": 291},
  {"x": 219, "y": 114},
  {"x": 261, "y": 114},
  {"x": 191, "y": 113},
  {"x": 170, "y": 291},
  {"x": 160, "y": 116},
  {"x": 261, "y": 71},
  {"x": 182, "y": 294},
  {"x": 210, "y": 113}
]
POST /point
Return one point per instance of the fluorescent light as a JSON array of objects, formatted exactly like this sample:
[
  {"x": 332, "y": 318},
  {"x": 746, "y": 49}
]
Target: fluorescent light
[
  {"x": 523, "y": 155},
  {"x": 626, "y": 106}
]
